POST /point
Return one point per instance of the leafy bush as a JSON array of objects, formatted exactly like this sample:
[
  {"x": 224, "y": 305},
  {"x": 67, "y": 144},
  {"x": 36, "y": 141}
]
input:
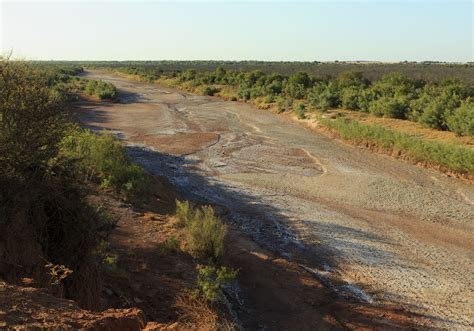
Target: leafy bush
[
  {"x": 105, "y": 220},
  {"x": 103, "y": 158},
  {"x": 274, "y": 88},
  {"x": 324, "y": 96},
  {"x": 389, "y": 107},
  {"x": 101, "y": 89},
  {"x": 284, "y": 104},
  {"x": 212, "y": 280},
  {"x": 300, "y": 111},
  {"x": 295, "y": 91},
  {"x": 433, "y": 115},
  {"x": 269, "y": 98},
  {"x": 394, "y": 84},
  {"x": 32, "y": 121},
  {"x": 184, "y": 212},
  {"x": 353, "y": 79},
  {"x": 461, "y": 121},
  {"x": 205, "y": 232},
  {"x": 300, "y": 78},
  {"x": 350, "y": 98}
]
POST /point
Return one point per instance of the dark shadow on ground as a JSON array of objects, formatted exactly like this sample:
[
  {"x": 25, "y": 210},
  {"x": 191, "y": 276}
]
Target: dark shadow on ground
[
  {"x": 267, "y": 227},
  {"x": 126, "y": 97}
]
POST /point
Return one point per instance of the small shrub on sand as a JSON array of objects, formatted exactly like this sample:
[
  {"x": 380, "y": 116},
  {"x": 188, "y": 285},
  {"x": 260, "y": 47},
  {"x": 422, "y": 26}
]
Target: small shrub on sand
[
  {"x": 101, "y": 89},
  {"x": 300, "y": 111},
  {"x": 204, "y": 231}
]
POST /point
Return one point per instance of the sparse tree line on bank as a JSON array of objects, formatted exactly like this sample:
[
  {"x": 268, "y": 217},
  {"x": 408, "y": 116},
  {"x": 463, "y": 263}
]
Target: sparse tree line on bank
[{"x": 448, "y": 105}]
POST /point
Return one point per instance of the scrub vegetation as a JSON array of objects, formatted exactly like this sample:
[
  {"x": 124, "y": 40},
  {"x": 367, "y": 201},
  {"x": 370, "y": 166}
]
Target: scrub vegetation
[
  {"x": 47, "y": 167},
  {"x": 434, "y": 95},
  {"x": 43, "y": 215},
  {"x": 205, "y": 235},
  {"x": 50, "y": 169},
  {"x": 443, "y": 104},
  {"x": 100, "y": 89},
  {"x": 204, "y": 231},
  {"x": 102, "y": 159}
]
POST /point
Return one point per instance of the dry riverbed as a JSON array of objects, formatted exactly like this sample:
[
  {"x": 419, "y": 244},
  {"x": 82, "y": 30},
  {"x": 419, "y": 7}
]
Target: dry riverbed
[{"x": 372, "y": 228}]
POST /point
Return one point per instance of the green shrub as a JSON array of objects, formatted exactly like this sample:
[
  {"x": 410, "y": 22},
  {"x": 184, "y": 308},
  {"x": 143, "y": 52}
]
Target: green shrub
[
  {"x": 300, "y": 111},
  {"x": 184, "y": 212},
  {"x": 269, "y": 99},
  {"x": 389, "y": 107},
  {"x": 204, "y": 231},
  {"x": 365, "y": 98},
  {"x": 300, "y": 78},
  {"x": 245, "y": 93},
  {"x": 274, "y": 88},
  {"x": 295, "y": 91},
  {"x": 212, "y": 280},
  {"x": 461, "y": 121},
  {"x": 101, "y": 89},
  {"x": 103, "y": 158},
  {"x": 284, "y": 104},
  {"x": 350, "y": 98},
  {"x": 324, "y": 96},
  {"x": 32, "y": 121},
  {"x": 394, "y": 84},
  {"x": 354, "y": 79},
  {"x": 434, "y": 115}
]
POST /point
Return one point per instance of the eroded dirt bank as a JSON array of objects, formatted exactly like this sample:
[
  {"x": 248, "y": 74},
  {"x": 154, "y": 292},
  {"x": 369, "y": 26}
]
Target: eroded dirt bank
[{"x": 375, "y": 229}]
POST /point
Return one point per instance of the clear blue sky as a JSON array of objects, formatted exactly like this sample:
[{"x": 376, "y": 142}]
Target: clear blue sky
[{"x": 283, "y": 30}]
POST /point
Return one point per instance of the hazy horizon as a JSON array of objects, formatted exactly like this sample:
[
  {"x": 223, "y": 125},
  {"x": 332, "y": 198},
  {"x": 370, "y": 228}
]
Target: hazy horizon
[{"x": 355, "y": 31}]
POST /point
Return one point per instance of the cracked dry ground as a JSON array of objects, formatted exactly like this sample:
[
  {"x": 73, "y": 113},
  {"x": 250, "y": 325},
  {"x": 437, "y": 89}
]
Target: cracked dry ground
[{"x": 371, "y": 228}]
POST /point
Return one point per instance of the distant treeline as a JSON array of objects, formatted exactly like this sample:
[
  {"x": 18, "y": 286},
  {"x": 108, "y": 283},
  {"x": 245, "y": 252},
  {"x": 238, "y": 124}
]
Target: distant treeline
[{"x": 429, "y": 71}]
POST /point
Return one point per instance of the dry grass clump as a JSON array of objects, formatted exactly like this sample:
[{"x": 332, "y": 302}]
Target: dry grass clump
[{"x": 196, "y": 313}]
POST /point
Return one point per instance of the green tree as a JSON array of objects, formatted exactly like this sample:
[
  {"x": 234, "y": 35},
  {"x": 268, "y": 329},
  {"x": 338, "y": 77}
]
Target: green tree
[
  {"x": 461, "y": 121},
  {"x": 433, "y": 115},
  {"x": 389, "y": 107},
  {"x": 32, "y": 121},
  {"x": 350, "y": 97}
]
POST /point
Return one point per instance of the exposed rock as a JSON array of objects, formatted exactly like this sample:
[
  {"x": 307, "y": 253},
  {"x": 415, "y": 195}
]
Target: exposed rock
[{"x": 32, "y": 308}]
